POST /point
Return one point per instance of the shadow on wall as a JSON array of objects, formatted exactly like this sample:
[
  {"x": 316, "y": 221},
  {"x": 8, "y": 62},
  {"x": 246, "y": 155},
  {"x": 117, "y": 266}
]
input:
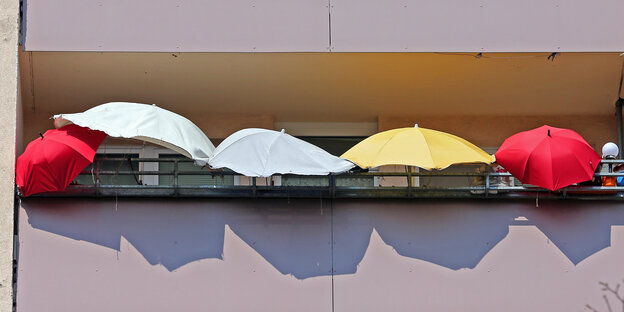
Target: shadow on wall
[
  {"x": 295, "y": 235},
  {"x": 578, "y": 228},
  {"x": 458, "y": 234},
  {"x": 451, "y": 234}
]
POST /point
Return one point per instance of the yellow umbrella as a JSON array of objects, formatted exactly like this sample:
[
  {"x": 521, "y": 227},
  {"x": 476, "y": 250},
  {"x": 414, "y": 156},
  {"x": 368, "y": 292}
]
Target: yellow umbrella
[{"x": 424, "y": 148}]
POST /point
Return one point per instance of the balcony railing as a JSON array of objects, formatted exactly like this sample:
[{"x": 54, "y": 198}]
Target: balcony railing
[{"x": 325, "y": 187}]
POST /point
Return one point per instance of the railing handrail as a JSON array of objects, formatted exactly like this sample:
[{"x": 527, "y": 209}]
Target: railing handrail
[{"x": 490, "y": 186}]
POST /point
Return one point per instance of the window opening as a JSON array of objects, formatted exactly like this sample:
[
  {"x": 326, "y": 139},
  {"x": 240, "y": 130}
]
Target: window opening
[
  {"x": 189, "y": 180},
  {"x": 111, "y": 165}
]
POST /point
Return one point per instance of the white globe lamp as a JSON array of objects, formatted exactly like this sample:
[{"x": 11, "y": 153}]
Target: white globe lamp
[{"x": 610, "y": 150}]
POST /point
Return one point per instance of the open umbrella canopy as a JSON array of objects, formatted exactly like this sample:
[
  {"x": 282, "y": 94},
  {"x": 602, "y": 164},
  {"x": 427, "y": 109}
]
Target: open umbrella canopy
[
  {"x": 420, "y": 147},
  {"x": 548, "y": 157},
  {"x": 51, "y": 162},
  {"x": 149, "y": 123},
  {"x": 261, "y": 153}
]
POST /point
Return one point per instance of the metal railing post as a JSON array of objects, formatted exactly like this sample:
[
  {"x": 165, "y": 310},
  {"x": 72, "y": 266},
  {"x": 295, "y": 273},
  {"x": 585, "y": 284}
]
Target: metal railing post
[
  {"x": 409, "y": 181},
  {"x": 618, "y": 118},
  {"x": 487, "y": 184},
  {"x": 97, "y": 177},
  {"x": 176, "y": 191}
]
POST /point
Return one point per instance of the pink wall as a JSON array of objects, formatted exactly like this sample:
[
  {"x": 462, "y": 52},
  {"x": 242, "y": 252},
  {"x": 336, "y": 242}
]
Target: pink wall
[
  {"x": 176, "y": 26},
  {"x": 276, "y": 255},
  {"x": 311, "y": 25},
  {"x": 479, "y": 26}
]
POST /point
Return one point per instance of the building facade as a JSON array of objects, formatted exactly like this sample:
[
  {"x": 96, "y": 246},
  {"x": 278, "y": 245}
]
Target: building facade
[{"x": 322, "y": 70}]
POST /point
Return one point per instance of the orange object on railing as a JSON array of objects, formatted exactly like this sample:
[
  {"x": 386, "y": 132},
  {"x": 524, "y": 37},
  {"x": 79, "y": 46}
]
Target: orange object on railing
[{"x": 609, "y": 181}]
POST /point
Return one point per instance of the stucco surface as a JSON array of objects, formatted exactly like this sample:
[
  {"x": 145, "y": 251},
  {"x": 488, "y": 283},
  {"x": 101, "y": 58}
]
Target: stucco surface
[
  {"x": 321, "y": 25},
  {"x": 317, "y": 255},
  {"x": 9, "y": 32}
]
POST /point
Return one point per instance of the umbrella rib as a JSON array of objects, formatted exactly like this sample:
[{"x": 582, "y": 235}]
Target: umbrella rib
[
  {"x": 214, "y": 155},
  {"x": 91, "y": 124},
  {"x": 379, "y": 151},
  {"x": 467, "y": 144},
  {"x": 430, "y": 153},
  {"x": 581, "y": 162},
  {"x": 552, "y": 168},
  {"x": 320, "y": 164},
  {"x": 264, "y": 165},
  {"x": 376, "y": 155},
  {"x": 392, "y": 138},
  {"x": 528, "y": 172}
]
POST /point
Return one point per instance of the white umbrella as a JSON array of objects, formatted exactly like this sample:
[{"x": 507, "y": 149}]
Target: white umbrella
[
  {"x": 262, "y": 153},
  {"x": 144, "y": 122}
]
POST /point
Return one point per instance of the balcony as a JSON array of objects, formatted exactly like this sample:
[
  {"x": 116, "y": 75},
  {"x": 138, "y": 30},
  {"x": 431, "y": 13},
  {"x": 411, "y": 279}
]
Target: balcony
[{"x": 134, "y": 177}]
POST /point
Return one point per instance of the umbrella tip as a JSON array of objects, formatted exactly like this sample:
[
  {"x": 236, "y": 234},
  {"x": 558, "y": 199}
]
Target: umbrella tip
[
  {"x": 283, "y": 131},
  {"x": 41, "y": 135},
  {"x": 549, "y": 133},
  {"x": 416, "y": 125}
]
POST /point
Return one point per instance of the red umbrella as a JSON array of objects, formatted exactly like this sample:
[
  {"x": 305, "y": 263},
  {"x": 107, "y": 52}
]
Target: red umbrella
[
  {"x": 548, "y": 157},
  {"x": 51, "y": 162}
]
